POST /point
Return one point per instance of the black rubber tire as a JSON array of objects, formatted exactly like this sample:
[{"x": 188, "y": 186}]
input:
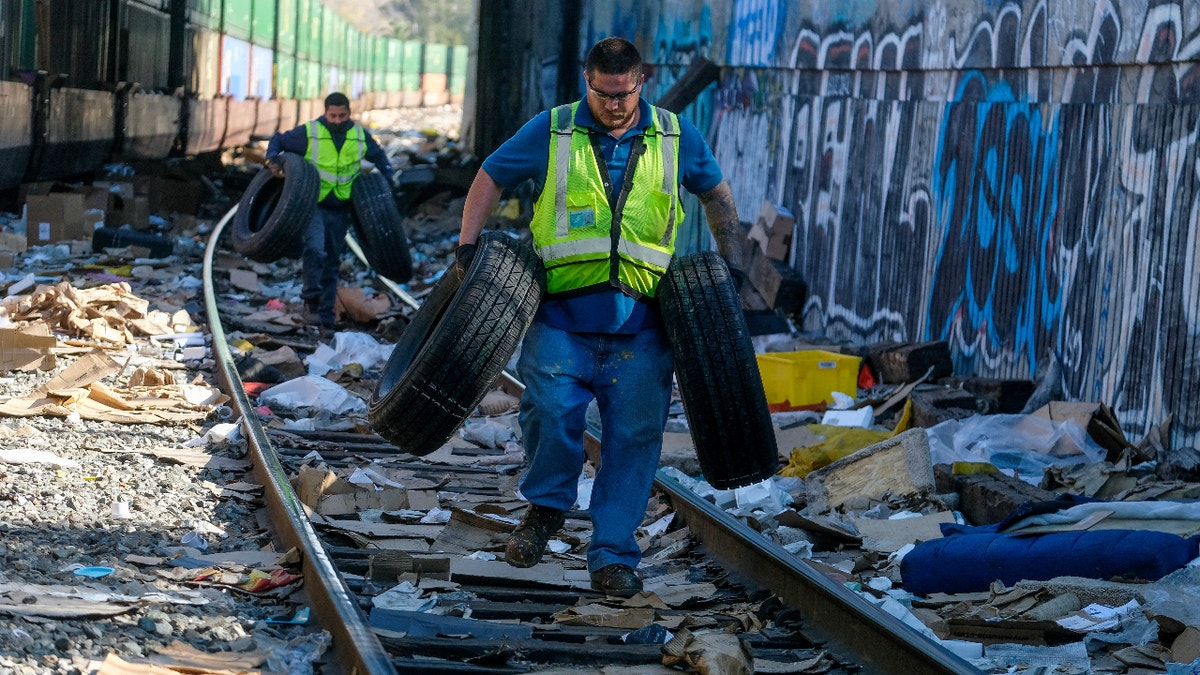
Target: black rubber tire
[
  {"x": 717, "y": 373},
  {"x": 377, "y": 228},
  {"x": 274, "y": 212},
  {"x": 456, "y": 345}
]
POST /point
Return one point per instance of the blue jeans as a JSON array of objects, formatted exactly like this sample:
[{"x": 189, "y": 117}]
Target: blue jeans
[
  {"x": 324, "y": 241},
  {"x": 630, "y": 378}
]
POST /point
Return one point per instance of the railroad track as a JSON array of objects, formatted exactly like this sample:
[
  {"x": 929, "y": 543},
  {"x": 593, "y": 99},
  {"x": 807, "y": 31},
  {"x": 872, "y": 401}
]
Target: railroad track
[{"x": 709, "y": 571}]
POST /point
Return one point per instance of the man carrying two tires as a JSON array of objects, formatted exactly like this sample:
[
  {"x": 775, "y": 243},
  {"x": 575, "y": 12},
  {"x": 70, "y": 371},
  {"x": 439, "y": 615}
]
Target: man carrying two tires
[
  {"x": 605, "y": 223},
  {"x": 336, "y": 145}
]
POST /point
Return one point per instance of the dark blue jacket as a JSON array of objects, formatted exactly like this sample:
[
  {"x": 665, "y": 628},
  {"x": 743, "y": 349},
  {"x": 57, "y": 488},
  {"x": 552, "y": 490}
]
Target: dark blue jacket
[{"x": 296, "y": 141}]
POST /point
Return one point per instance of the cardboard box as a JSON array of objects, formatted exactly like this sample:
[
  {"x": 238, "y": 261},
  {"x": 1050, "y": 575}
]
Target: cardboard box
[
  {"x": 13, "y": 242},
  {"x": 779, "y": 285},
  {"x": 168, "y": 194},
  {"x": 94, "y": 198},
  {"x": 122, "y": 189},
  {"x": 1097, "y": 419},
  {"x": 134, "y": 212},
  {"x": 92, "y": 218},
  {"x": 53, "y": 218},
  {"x": 772, "y": 231}
]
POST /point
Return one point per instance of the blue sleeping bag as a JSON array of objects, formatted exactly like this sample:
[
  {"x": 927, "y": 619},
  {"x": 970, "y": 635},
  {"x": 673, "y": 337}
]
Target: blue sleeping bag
[{"x": 967, "y": 563}]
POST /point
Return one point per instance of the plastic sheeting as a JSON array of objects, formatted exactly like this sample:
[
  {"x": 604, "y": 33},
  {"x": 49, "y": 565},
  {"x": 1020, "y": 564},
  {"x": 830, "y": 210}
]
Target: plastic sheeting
[{"x": 1023, "y": 445}]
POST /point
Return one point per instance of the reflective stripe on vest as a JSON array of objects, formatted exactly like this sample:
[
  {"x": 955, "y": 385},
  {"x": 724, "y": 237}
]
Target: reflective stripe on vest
[
  {"x": 572, "y": 222},
  {"x": 337, "y": 169}
]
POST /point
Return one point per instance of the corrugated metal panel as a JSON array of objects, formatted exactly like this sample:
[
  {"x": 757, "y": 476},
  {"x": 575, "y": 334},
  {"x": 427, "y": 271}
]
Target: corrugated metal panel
[
  {"x": 286, "y": 26},
  {"x": 266, "y": 123},
  {"x": 151, "y": 125},
  {"x": 239, "y": 124},
  {"x": 16, "y": 100},
  {"x": 20, "y": 39},
  {"x": 310, "y": 109},
  {"x": 436, "y": 59},
  {"x": 262, "y": 26},
  {"x": 333, "y": 79},
  {"x": 311, "y": 80},
  {"x": 458, "y": 70},
  {"x": 289, "y": 114},
  {"x": 238, "y": 18},
  {"x": 410, "y": 62},
  {"x": 206, "y": 63},
  {"x": 341, "y": 45},
  {"x": 206, "y": 125},
  {"x": 235, "y": 67},
  {"x": 285, "y": 76},
  {"x": 205, "y": 13},
  {"x": 262, "y": 61},
  {"x": 354, "y": 50},
  {"x": 79, "y": 127},
  {"x": 149, "y": 40},
  {"x": 394, "y": 60},
  {"x": 305, "y": 18},
  {"x": 379, "y": 63},
  {"x": 81, "y": 43}
]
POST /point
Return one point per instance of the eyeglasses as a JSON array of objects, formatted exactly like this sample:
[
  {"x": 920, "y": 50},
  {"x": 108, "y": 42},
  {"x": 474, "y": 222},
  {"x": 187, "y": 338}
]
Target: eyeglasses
[{"x": 619, "y": 98}]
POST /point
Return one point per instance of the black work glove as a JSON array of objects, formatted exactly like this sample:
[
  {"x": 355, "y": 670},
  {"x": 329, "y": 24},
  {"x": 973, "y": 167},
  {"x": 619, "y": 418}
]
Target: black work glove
[
  {"x": 463, "y": 255},
  {"x": 738, "y": 277},
  {"x": 275, "y": 164}
]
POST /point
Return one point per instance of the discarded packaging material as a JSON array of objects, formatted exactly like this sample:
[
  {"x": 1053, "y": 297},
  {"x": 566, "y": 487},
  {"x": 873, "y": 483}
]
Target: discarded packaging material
[{"x": 311, "y": 391}]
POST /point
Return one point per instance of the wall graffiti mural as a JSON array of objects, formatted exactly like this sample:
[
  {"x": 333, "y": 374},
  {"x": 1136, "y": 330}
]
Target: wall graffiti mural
[{"x": 1021, "y": 179}]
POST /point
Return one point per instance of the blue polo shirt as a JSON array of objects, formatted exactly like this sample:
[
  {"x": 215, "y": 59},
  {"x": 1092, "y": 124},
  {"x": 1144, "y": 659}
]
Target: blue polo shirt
[{"x": 526, "y": 156}]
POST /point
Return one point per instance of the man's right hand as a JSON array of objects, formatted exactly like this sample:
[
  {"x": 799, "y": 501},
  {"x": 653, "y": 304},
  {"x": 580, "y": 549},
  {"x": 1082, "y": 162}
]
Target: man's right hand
[{"x": 463, "y": 255}]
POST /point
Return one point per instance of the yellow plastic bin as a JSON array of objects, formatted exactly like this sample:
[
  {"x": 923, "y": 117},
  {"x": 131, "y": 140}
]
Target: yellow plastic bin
[{"x": 797, "y": 379}]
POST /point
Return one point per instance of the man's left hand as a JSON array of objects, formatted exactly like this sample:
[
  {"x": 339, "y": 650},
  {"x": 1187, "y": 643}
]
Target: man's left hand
[{"x": 738, "y": 277}]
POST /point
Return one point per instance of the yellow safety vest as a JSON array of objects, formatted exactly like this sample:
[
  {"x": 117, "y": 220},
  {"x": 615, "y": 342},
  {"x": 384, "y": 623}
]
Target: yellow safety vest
[
  {"x": 337, "y": 169},
  {"x": 586, "y": 241}
]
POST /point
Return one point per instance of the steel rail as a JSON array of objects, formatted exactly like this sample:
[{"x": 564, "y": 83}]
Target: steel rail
[
  {"x": 878, "y": 641},
  {"x": 394, "y": 287},
  {"x": 356, "y": 646}
]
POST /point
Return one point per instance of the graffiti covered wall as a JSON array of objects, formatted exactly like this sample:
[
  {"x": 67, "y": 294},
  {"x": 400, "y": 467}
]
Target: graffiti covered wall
[{"x": 1018, "y": 178}]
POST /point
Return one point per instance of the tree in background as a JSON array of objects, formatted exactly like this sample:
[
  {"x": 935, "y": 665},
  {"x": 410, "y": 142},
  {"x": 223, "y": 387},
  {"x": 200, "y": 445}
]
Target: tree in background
[{"x": 441, "y": 21}]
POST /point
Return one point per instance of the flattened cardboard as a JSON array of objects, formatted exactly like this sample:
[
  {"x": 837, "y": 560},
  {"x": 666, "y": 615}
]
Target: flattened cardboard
[
  {"x": 90, "y": 367},
  {"x": 890, "y": 536},
  {"x": 27, "y": 349}
]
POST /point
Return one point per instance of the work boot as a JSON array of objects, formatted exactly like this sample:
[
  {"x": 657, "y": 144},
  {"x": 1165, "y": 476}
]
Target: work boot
[
  {"x": 528, "y": 542},
  {"x": 617, "y": 580},
  {"x": 311, "y": 314}
]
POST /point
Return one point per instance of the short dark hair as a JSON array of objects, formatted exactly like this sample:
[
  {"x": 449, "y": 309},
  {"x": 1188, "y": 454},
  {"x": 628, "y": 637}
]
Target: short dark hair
[
  {"x": 613, "y": 56},
  {"x": 337, "y": 98}
]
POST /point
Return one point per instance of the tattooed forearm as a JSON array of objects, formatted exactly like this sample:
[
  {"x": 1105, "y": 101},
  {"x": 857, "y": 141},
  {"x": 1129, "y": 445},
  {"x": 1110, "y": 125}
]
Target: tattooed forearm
[{"x": 722, "y": 217}]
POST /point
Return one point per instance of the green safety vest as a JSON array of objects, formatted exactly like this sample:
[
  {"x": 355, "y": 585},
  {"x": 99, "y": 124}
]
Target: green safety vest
[
  {"x": 587, "y": 241},
  {"x": 336, "y": 169}
]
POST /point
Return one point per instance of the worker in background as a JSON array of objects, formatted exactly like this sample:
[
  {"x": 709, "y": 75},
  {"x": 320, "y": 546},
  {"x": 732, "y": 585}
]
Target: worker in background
[
  {"x": 336, "y": 145},
  {"x": 609, "y": 162}
]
